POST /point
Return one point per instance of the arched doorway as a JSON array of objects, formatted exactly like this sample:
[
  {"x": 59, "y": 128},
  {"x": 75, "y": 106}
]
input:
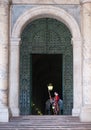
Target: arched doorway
[
  {"x": 22, "y": 21},
  {"x": 46, "y": 56}
]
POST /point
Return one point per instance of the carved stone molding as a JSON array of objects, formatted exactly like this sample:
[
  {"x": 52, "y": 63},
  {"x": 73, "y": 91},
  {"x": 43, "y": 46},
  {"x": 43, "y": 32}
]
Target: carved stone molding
[
  {"x": 46, "y": 11},
  {"x": 45, "y": 2},
  {"x": 85, "y": 1}
]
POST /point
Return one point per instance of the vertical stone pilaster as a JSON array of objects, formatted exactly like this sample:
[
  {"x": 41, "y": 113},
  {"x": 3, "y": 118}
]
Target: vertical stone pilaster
[
  {"x": 14, "y": 77},
  {"x": 4, "y": 35},
  {"x": 77, "y": 75},
  {"x": 86, "y": 25}
]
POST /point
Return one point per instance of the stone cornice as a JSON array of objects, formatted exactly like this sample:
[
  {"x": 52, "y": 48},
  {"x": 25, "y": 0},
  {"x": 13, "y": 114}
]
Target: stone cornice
[{"x": 45, "y": 1}]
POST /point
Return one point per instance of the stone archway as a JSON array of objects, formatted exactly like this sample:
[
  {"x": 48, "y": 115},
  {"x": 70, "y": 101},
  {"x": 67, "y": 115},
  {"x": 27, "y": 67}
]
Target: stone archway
[{"x": 22, "y": 21}]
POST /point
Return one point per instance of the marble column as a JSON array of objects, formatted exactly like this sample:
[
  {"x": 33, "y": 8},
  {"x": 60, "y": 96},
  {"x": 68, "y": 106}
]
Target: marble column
[
  {"x": 14, "y": 77},
  {"x": 85, "y": 114},
  {"x": 4, "y": 41}
]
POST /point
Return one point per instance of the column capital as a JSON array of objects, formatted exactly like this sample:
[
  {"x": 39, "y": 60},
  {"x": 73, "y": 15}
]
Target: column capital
[
  {"x": 15, "y": 41},
  {"x": 76, "y": 41},
  {"x": 85, "y": 1},
  {"x": 5, "y": 2}
]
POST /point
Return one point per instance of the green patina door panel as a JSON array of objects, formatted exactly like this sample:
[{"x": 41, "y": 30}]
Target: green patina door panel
[{"x": 45, "y": 36}]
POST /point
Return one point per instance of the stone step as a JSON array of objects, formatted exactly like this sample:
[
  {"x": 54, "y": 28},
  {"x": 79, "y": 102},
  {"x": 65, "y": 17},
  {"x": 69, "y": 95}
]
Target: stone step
[{"x": 45, "y": 123}]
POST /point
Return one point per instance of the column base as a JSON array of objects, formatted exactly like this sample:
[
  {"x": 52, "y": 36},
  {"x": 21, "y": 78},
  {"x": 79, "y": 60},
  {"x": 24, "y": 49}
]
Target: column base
[
  {"x": 14, "y": 111},
  {"x": 4, "y": 115},
  {"x": 75, "y": 112},
  {"x": 85, "y": 115}
]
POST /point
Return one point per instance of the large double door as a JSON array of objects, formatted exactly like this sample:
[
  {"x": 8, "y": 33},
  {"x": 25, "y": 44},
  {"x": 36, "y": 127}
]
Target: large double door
[{"x": 46, "y": 56}]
